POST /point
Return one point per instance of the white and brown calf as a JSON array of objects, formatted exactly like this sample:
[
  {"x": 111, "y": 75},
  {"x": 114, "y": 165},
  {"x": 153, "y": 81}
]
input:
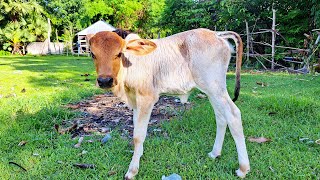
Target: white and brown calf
[{"x": 140, "y": 70}]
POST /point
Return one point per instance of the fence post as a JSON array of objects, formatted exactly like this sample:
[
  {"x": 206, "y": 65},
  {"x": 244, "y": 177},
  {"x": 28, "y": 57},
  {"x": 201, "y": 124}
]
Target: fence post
[
  {"x": 49, "y": 33},
  {"x": 273, "y": 36},
  {"x": 248, "y": 41}
]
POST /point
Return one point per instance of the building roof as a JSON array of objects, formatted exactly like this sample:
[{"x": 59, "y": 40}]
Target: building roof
[{"x": 97, "y": 27}]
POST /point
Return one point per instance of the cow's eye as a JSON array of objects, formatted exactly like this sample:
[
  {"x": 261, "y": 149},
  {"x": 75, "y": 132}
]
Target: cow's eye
[
  {"x": 92, "y": 55},
  {"x": 119, "y": 55}
]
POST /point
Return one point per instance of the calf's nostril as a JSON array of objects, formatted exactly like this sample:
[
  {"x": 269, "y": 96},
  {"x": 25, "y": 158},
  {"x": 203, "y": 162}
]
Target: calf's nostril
[
  {"x": 100, "y": 81},
  {"x": 109, "y": 80},
  {"x": 105, "y": 82}
]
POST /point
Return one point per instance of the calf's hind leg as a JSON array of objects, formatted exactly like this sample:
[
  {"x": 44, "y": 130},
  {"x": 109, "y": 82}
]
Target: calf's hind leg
[{"x": 227, "y": 113}]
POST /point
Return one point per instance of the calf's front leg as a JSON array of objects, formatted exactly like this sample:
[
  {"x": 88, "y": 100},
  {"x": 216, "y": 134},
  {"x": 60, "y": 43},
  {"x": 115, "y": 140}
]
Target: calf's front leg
[{"x": 141, "y": 117}]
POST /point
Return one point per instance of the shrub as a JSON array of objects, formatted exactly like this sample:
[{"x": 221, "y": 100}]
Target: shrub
[{"x": 4, "y": 53}]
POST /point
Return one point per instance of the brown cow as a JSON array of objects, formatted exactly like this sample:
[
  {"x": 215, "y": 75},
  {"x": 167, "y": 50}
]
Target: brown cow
[{"x": 140, "y": 70}]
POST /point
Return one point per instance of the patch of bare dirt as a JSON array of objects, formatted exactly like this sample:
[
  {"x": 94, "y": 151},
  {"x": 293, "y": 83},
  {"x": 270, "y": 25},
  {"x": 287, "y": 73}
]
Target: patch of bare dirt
[{"x": 103, "y": 113}]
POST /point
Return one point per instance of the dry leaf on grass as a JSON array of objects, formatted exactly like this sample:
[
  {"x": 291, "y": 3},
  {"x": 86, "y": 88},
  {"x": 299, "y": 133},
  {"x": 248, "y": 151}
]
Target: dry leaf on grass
[
  {"x": 73, "y": 106},
  {"x": 84, "y": 166},
  {"x": 67, "y": 130},
  {"x": 259, "y": 139},
  {"x": 23, "y": 90},
  {"x": 262, "y": 84},
  {"x": 22, "y": 143},
  {"x": 79, "y": 142},
  {"x": 83, "y": 153},
  {"x": 272, "y": 113},
  {"x": 317, "y": 141},
  {"x": 111, "y": 173}
]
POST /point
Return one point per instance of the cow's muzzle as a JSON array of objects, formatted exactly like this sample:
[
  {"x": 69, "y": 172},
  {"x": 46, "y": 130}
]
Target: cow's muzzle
[{"x": 105, "y": 82}]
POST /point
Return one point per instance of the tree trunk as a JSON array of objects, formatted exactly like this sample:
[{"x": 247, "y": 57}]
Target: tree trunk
[{"x": 16, "y": 48}]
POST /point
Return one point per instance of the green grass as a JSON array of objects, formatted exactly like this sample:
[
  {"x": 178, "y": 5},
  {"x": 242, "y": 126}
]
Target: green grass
[{"x": 52, "y": 81}]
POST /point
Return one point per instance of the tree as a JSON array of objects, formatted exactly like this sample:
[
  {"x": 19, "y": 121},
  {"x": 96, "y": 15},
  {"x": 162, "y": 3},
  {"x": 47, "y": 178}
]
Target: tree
[
  {"x": 22, "y": 22},
  {"x": 14, "y": 34},
  {"x": 96, "y": 10},
  {"x": 148, "y": 24},
  {"x": 15, "y": 10},
  {"x": 181, "y": 15}
]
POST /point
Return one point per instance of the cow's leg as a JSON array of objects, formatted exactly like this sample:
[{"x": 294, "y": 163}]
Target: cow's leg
[
  {"x": 227, "y": 113},
  {"x": 221, "y": 130},
  {"x": 141, "y": 116}
]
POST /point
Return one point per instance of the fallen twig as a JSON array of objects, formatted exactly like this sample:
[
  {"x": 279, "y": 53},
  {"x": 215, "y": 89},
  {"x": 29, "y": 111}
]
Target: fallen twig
[{"x": 17, "y": 165}]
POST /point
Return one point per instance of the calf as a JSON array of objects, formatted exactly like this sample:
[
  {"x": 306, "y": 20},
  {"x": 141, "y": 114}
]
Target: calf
[{"x": 140, "y": 70}]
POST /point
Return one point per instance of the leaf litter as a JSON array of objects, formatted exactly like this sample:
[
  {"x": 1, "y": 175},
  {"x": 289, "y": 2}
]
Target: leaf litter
[{"x": 103, "y": 113}]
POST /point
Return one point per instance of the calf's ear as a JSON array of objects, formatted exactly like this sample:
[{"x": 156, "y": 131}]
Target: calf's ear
[
  {"x": 140, "y": 47},
  {"x": 89, "y": 36}
]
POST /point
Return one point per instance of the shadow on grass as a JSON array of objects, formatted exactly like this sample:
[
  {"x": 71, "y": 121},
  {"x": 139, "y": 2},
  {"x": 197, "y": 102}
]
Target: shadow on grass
[
  {"x": 295, "y": 117},
  {"x": 59, "y": 75}
]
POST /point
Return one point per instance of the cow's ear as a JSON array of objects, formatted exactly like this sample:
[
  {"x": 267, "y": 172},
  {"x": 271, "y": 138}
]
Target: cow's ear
[
  {"x": 140, "y": 47},
  {"x": 89, "y": 36}
]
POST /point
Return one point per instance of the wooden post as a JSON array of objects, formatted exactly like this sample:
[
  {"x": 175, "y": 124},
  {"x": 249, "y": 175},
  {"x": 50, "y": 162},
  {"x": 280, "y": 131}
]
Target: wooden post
[
  {"x": 57, "y": 37},
  {"x": 78, "y": 45},
  {"x": 273, "y": 37},
  {"x": 49, "y": 33},
  {"x": 248, "y": 41}
]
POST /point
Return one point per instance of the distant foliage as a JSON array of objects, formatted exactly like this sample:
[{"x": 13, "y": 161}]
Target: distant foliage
[
  {"x": 4, "y": 53},
  {"x": 181, "y": 15},
  {"x": 21, "y": 22},
  {"x": 151, "y": 18}
]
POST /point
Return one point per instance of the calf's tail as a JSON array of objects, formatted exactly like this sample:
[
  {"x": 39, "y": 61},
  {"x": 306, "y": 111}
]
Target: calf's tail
[{"x": 239, "y": 50}]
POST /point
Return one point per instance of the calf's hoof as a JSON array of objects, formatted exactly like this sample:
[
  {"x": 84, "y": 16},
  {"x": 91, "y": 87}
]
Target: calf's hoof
[
  {"x": 214, "y": 155},
  {"x": 131, "y": 173},
  {"x": 243, "y": 171}
]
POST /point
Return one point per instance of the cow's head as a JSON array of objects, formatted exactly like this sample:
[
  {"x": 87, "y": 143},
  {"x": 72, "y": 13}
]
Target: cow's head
[{"x": 107, "y": 50}]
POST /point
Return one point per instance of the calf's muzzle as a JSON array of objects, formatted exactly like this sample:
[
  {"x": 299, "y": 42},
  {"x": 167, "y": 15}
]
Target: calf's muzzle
[{"x": 105, "y": 82}]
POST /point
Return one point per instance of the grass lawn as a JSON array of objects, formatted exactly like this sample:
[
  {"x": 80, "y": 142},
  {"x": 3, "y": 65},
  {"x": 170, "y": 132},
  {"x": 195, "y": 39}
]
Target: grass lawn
[{"x": 49, "y": 82}]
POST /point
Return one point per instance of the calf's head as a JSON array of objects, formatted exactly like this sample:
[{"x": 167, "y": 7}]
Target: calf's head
[{"x": 107, "y": 50}]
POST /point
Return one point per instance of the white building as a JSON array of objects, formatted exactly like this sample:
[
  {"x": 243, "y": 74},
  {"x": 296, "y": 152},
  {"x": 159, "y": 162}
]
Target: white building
[{"x": 82, "y": 42}]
